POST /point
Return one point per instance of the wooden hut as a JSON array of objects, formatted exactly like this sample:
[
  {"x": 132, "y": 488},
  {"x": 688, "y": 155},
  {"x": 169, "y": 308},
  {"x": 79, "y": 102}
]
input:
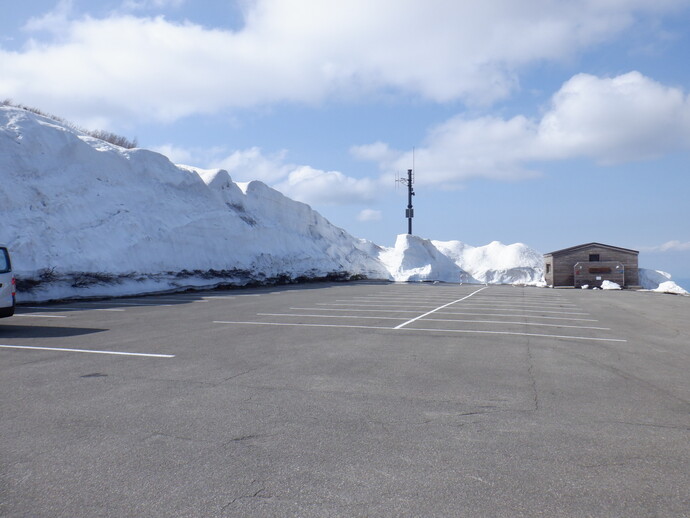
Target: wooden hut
[{"x": 591, "y": 264}]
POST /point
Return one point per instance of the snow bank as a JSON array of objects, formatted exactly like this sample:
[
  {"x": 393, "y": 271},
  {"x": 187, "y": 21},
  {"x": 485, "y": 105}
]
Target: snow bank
[
  {"x": 86, "y": 218},
  {"x": 610, "y": 285},
  {"x": 656, "y": 280},
  {"x": 497, "y": 263},
  {"x": 72, "y": 204},
  {"x": 416, "y": 259}
]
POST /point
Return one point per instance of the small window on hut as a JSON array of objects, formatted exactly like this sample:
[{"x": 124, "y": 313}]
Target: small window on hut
[
  {"x": 548, "y": 268},
  {"x": 593, "y": 258}
]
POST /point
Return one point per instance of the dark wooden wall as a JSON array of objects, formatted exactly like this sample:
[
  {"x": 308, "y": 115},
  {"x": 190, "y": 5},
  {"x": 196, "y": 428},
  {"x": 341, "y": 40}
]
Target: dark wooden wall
[{"x": 562, "y": 264}]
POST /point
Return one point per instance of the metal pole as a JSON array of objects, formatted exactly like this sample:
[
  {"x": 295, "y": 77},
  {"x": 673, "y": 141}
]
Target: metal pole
[{"x": 410, "y": 210}]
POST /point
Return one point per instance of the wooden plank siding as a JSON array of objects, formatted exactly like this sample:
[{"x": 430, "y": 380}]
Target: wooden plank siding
[{"x": 560, "y": 265}]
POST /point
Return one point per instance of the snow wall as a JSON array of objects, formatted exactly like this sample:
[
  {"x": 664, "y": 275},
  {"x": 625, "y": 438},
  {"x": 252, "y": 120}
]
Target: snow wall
[{"x": 86, "y": 218}]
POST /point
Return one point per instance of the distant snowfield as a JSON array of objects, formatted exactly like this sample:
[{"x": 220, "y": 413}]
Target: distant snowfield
[{"x": 84, "y": 218}]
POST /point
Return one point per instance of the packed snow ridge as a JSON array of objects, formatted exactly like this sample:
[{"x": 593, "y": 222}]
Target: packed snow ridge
[{"x": 83, "y": 217}]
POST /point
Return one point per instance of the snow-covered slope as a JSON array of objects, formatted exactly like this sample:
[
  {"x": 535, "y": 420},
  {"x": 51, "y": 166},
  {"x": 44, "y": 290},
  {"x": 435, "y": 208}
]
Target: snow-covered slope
[
  {"x": 656, "y": 280},
  {"x": 496, "y": 262},
  {"x": 73, "y": 206},
  {"x": 416, "y": 259}
]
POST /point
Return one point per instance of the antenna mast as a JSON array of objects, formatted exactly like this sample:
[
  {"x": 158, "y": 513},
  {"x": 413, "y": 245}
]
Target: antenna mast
[{"x": 409, "y": 212}]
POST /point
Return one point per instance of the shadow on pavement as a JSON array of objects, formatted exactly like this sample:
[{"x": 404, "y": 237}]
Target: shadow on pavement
[{"x": 35, "y": 331}]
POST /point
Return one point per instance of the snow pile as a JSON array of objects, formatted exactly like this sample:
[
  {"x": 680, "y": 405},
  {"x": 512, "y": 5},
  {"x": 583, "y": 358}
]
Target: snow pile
[
  {"x": 497, "y": 263},
  {"x": 610, "y": 285},
  {"x": 416, "y": 259},
  {"x": 656, "y": 280},
  {"x": 84, "y": 216}
]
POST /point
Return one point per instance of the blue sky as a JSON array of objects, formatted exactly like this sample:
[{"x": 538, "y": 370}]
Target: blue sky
[{"x": 552, "y": 123}]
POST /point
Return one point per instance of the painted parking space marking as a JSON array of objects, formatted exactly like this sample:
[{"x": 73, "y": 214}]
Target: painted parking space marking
[
  {"x": 38, "y": 315},
  {"x": 488, "y": 307},
  {"x": 292, "y": 324},
  {"x": 449, "y": 312},
  {"x": 512, "y": 333},
  {"x": 88, "y": 351},
  {"x": 514, "y": 315},
  {"x": 439, "y": 308},
  {"x": 546, "y": 303},
  {"x": 512, "y": 322},
  {"x": 357, "y": 304},
  {"x": 477, "y": 300},
  {"x": 328, "y": 316},
  {"x": 353, "y": 310},
  {"x": 477, "y": 305},
  {"x": 71, "y": 308},
  {"x": 393, "y": 297},
  {"x": 143, "y": 304},
  {"x": 497, "y": 322},
  {"x": 517, "y": 305},
  {"x": 409, "y": 329},
  {"x": 98, "y": 306},
  {"x": 350, "y": 310}
]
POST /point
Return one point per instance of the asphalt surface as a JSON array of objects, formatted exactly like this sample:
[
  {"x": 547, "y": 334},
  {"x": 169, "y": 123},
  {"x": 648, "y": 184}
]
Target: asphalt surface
[{"x": 361, "y": 399}]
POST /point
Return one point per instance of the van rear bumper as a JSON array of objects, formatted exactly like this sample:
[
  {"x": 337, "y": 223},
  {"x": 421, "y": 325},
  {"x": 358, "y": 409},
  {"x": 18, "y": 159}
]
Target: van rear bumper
[{"x": 7, "y": 312}]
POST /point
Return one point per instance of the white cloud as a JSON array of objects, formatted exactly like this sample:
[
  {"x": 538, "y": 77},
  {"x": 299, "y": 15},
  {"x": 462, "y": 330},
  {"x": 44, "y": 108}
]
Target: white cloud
[
  {"x": 326, "y": 187},
  {"x": 628, "y": 117},
  {"x": 625, "y": 118},
  {"x": 301, "y": 51},
  {"x": 251, "y": 164},
  {"x": 370, "y": 215},
  {"x": 669, "y": 246},
  {"x": 177, "y": 155},
  {"x": 377, "y": 152},
  {"x": 136, "y": 5},
  {"x": 300, "y": 182},
  {"x": 57, "y": 21}
]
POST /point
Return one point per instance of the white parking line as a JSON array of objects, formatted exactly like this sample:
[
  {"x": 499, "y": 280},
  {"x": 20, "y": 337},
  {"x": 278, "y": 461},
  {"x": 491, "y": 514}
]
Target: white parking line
[
  {"x": 499, "y": 322},
  {"x": 359, "y": 317},
  {"x": 375, "y": 305},
  {"x": 38, "y": 315},
  {"x": 408, "y": 329},
  {"x": 484, "y": 302},
  {"x": 514, "y": 323},
  {"x": 358, "y": 310},
  {"x": 72, "y": 308},
  {"x": 490, "y": 308},
  {"x": 440, "y": 307},
  {"x": 478, "y": 300},
  {"x": 179, "y": 300},
  {"x": 511, "y": 333},
  {"x": 141, "y": 304},
  {"x": 352, "y": 310},
  {"x": 62, "y": 349},
  {"x": 513, "y": 315},
  {"x": 393, "y": 298},
  {"x": 298, "y": 325}
]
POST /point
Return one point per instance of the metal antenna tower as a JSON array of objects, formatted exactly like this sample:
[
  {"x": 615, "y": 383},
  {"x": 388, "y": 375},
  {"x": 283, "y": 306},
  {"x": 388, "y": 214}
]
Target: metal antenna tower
[{"x": 409, "y": 212}]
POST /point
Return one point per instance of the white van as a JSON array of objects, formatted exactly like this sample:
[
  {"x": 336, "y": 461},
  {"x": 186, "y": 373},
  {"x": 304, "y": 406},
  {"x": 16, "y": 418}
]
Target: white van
[{"x": 7, "y": 284}]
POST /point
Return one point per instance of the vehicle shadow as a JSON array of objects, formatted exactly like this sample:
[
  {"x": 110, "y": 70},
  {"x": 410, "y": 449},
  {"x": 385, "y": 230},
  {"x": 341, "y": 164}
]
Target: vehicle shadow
[{"x": 35, "y": 331}]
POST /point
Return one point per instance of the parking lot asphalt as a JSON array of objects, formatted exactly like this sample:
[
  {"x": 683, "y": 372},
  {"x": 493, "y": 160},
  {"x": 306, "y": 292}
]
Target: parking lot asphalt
[{"x": 358, "y": 399}]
